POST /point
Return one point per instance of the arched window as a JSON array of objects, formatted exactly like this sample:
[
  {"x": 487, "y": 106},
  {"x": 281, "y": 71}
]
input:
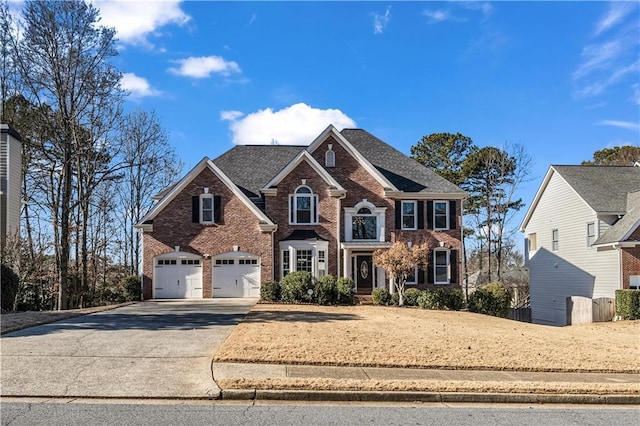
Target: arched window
[
  {"x": 364, "y": 225},
  {"x": 330, "y": 158},
  {"x": 303, "y": 206}
]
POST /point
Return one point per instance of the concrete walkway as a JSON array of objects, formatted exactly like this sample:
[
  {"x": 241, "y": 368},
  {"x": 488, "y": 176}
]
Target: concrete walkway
[{"x": 153, "y": 349}]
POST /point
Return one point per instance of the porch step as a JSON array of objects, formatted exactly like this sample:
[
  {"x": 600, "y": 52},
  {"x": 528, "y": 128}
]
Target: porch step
[{"x": 364, "y": 299}]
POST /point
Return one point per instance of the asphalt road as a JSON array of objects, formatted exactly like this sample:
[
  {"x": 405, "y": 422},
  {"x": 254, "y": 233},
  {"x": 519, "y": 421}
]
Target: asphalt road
[
  {"x": 154, "y": 349},
  {"x": 216, "y": 413}
]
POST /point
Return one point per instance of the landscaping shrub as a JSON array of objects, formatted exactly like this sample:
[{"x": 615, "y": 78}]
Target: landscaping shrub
[
  {"x": 411, "y": 296},
  {"x": 627, "y": 304},
  {"x": 132, "y": 288},
  {"x": 270, "y": 291},
  {"x": 492, "y": 299},
  {"x": 344, "y": 288},
  {"x": 442, "y": 298},
  {"x": 381, "y": 296},
  {"x": 9, "y": 286},
  {"x": 326, "y": 291},
  {"x": 294, "y": 287},
  {"x": 395, "y": 299}
]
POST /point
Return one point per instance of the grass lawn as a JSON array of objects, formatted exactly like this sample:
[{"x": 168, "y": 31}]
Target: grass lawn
[{"x": 407, "y": 337}]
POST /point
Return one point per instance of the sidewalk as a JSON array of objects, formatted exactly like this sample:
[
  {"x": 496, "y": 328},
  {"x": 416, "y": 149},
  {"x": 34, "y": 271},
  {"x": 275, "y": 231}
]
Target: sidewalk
[{"x": 228, "y": 372}]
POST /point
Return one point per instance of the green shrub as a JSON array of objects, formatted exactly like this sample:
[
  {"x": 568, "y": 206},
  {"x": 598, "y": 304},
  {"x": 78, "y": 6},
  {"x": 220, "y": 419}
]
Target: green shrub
[
  {"x": 132, "y": 288},
  {"x": 395, "y": 299},
  {"x": 326, "y": 291},
  {"x": 270, "y": 291},
  {"x": 294, "y": 287},
  {"x": 411, "y": 296},
  {"x": 492, "y": 299},
  {"x": 627, "y": 304},
  {"x": 381, "y": 296},
  {"x": 442, "y": 298},
  {"x": 344, "y": 288},
  {"x": 9, "y": 288}
]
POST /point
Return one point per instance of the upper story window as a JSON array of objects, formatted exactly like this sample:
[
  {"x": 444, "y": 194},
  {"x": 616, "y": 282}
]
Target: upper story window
[
  {"x": 303, "y": 206},
  {"x": 533, "y": 242},
  {"x": 591, "y": 233},
  {"x": 409, "y": 219},
  {"x": 330, "y": 157},
  {"x": 364, "y": 225},
  {"x": 555, "y": 240},
  {"x": 441, "y": 214},
  {"x": 206, "y": 208}
]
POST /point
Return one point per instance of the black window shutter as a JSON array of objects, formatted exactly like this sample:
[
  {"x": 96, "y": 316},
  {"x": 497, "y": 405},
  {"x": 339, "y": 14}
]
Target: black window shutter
[
  {"x": 420, "y": 214},
  {"x": 430, "y": 277},
  {"x": 453, "y": 263},
  {"x": 452, "y": 214},
  {"x": 420, "y": 276},
  {"x": 429, "y": 214},
  {"x": 195, "y": 209},
  {"x": 398, "y": 214},
  {"x": 217, "y": 209}
]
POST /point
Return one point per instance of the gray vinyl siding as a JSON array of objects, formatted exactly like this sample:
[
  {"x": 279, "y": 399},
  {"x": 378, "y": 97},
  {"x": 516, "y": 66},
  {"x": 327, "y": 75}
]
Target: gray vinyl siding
[
  {"x": 10, "y": 172},
  {"x": 573, "y": 270}
]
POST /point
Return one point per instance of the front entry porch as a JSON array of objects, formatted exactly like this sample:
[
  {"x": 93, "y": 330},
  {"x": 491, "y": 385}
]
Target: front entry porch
[{"x": 358, "y": 265}]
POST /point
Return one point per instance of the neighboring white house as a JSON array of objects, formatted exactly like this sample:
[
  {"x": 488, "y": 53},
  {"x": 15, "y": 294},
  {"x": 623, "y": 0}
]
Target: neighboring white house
[
  {"x": 10, "y": 178},
  {"x": 581, "y": 237}
]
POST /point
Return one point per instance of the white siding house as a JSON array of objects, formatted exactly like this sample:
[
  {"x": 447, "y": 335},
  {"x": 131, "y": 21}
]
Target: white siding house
[
  {"x": 10, "y": 178},
  {"x": 573, "y": 207}
]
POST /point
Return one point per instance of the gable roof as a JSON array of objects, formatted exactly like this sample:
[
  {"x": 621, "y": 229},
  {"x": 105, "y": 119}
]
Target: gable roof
[
  {"x": 623, "y": 228},
  {"x": 405, "y": 173},
  {"x": 182, "y": 183},
  {"x": 304, "y": 155},
  {"x": 603, "y": 188}
]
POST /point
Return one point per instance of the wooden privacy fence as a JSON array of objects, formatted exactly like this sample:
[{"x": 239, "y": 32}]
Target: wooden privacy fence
[
  {"x": 582, "y": 310},
  {"x": 520, "y": 314}
]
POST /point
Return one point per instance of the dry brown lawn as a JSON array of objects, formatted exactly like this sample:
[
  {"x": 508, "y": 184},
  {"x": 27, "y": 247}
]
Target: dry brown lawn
[{"x": 406, "y": 337}]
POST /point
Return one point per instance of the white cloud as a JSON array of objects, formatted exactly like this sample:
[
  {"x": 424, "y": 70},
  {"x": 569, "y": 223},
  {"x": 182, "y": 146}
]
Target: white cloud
[
  {"x": 484, "y": 7},
  {"x": 380, "y": 22},
  {"x": 298, "y": 124},
  {"x": 134, "y": 21},
  {"x": 137, "y": 86},
  {"x": 204, "y": 66},
  {"x": 436, "y": 16},
  {"x": 616, "y": 14},
  {"x": 621, "y": 124}
]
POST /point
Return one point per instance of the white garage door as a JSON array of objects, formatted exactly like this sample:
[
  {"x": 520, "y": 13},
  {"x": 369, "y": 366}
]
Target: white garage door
[
  {"x": 177, "y": 279},
  {"x": 236, "y": 277}
]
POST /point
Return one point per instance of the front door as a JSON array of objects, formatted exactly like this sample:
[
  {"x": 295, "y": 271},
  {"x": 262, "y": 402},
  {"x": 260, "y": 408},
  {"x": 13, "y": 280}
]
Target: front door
[{"x": 364, "y": 273}]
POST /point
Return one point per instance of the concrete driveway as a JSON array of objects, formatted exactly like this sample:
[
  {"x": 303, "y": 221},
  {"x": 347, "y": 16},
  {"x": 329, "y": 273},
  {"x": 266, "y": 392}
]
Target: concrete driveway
[{"x": 153, "y": 349}]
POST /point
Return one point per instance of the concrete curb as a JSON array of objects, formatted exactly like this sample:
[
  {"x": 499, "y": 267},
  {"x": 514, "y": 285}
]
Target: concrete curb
[{"x": 444, "y": 397}]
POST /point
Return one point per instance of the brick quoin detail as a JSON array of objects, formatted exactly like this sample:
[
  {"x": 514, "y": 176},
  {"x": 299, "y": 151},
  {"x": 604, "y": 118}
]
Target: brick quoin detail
[{"x": 173, "y": 227}]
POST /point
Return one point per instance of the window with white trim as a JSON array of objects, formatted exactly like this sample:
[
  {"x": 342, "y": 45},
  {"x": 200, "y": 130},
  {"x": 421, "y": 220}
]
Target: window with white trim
[
  {"x": 441, "y": 270},
  {"x": 304, "y": 260},
  {"x": 303, "y": 206},
  {"x": 555, "y": 240},
  {"x": 286, "y": 264},
  {"x": 364, "y": 225},
  {"x": 409, "y": 217},
  {"x": 206, "y": 208},
  {"x": 591, "y": 233},
  {"x": 441, "y": 215},
  {"x": 330, "y": 158},
  {"x": 533, "y": 242},
  {"x": 322, "y": 264},
  {"x": 413, "y": 279}
]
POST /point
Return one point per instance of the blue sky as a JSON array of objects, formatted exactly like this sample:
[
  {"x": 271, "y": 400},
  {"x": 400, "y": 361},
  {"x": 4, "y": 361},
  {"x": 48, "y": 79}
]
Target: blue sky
[{"x": 561, "y": 78}]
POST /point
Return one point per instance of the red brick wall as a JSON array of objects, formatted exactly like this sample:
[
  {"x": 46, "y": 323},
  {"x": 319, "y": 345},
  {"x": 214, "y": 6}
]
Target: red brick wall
[
  {"x": 173, "y": 227},
  {"x": 630, "y": 264}
]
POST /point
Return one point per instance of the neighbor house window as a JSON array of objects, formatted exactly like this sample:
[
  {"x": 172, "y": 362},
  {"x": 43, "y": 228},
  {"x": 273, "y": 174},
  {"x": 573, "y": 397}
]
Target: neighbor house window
[
  {"x": 591, "y": 233},
  {"x": 303, "y": 206},
  {"x": 409, "y": 215},
  {"x": 533, "y": 242},
  {"x": 441, "y": 266},
  {"x": 441, "y": 214},
  {"x": 364, "y": 225},
  {"x": 555, "y": 240},
  {"x": 206, "y": 208}
]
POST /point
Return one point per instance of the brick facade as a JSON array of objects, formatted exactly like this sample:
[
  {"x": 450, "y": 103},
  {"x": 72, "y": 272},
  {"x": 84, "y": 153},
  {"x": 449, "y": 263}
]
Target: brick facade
[
  {"x": 630, "y": 259},
  {"x": 173, "y": 227}
]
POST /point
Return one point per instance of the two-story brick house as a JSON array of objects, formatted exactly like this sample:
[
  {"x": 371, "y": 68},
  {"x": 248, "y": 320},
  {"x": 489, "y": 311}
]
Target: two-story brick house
[{"x": 259, "y": 212}]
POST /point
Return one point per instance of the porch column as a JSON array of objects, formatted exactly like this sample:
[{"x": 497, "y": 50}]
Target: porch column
[{"x": 346, "y": 257}]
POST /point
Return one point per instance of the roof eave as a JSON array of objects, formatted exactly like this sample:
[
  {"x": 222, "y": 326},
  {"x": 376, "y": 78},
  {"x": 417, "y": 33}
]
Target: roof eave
[{"x": 388, "y": 193}]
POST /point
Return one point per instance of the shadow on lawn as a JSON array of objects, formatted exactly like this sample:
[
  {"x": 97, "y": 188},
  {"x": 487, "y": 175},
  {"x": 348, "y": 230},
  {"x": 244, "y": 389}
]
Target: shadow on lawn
[{"x": 300, "y": 316}]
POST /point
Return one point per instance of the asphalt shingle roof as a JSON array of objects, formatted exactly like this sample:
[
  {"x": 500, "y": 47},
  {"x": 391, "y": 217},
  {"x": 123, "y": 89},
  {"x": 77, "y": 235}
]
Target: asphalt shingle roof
[
  {"x": 604, "y": 188},
  {"x": 618, "y": 230},
  {"x": 405, "y": 173}
]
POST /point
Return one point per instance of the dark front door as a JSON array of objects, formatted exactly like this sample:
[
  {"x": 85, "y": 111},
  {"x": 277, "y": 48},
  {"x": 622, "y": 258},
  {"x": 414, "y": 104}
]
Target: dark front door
[{"x": 364, "y": 273}]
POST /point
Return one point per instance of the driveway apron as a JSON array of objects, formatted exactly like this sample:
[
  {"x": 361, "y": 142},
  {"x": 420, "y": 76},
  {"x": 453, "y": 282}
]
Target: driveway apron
[{"x": 153, "y": 349}]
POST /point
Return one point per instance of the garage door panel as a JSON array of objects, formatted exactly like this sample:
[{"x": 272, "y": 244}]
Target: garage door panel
[
  {"x": 239, "y": 277},
  {"x": 178, "y": 279}
]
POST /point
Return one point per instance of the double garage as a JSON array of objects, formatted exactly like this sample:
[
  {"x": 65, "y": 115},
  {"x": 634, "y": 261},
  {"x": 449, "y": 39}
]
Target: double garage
[{"x": 179, "y": 275}]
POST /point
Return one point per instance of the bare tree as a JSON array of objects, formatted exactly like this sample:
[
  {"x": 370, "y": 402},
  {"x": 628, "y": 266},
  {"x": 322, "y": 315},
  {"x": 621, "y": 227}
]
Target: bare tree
[
  {"x": 400, "y": 261},
  {"x": 64, "y": 63}
]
